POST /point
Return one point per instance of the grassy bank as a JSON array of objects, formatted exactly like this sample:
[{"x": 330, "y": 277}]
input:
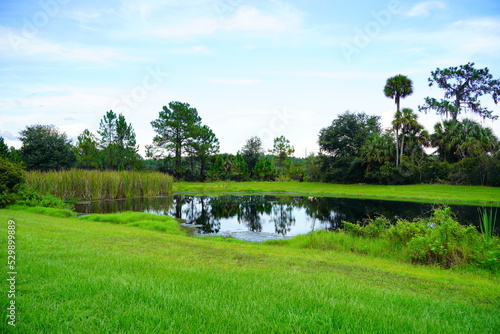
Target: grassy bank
[
  {"x": 91, "y": 185},
  {"x": 422, "y": 192},
  {"x": 86, "y": 276}
]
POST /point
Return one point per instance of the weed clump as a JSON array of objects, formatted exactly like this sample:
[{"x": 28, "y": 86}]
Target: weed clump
[{"x": 439, "y": 240}]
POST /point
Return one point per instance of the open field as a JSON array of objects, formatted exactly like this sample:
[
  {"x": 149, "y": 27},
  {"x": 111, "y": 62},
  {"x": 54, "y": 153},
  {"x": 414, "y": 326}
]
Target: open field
[
  {"x": 445, "y": 194},
  {"x": 78, "y": 276}
]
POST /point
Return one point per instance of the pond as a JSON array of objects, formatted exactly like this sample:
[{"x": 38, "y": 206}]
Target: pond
[{"x": 262, "y": 217}]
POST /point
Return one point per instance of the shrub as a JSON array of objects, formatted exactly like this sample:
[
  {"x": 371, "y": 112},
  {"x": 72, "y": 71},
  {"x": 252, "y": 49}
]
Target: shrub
[
  {"x": 375, "y": 228},
  {"x": 446, "y": 243},
  {"x": 11, "y": 176}
]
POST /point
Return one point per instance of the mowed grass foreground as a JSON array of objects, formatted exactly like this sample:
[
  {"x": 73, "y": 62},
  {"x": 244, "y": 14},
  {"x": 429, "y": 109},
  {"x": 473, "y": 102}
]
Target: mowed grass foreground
[
  {"x": 94, "y": 184},
  {"x": 81, "y": 276},
  {"x": 439, "y": 193}
]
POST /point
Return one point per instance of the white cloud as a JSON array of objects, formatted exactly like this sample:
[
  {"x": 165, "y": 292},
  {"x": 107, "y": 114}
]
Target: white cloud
[
  {"x": 424, "y": 9},
  {"x": 15, "y": 44},
  {"x": 246, "y": 19}
]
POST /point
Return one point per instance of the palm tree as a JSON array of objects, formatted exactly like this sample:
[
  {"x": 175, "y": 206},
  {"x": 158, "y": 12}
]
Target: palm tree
[
  {"x": 398, "y": 87},
  {"x": 456, "y": 140}
]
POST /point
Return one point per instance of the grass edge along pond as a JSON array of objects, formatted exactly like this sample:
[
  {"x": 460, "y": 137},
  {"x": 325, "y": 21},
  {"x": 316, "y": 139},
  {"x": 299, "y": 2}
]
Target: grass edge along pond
[
  {"x": 439, "y": 193},
  {"x": 76, "y": 275}
]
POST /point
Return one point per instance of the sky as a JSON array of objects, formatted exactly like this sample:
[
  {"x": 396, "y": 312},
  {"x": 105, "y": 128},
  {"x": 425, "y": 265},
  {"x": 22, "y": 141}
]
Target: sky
[{"x": 249, "y": 67}]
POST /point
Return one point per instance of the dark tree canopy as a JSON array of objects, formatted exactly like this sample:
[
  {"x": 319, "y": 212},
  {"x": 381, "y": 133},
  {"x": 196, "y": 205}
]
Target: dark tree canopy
[
  {"x": 463, "y": 87},
  {"x": 251, "y": 152},
  {"x": 45, "y": 148},
  {"x": 348, "y": 133}
]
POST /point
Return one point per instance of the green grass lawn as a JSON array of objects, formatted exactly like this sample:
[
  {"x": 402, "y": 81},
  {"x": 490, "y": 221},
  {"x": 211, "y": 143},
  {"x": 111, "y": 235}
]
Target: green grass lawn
[
  {"x": 446, "y": 194},
  {"x": 83, "y": 276}
]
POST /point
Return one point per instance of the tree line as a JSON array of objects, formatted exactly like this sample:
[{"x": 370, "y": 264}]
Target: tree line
[{"x": 353, "y": 149}]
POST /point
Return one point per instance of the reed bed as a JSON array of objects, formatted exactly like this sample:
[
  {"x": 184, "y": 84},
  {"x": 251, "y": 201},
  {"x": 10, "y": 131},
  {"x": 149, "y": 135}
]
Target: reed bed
[{"x": 93, "y": 184}]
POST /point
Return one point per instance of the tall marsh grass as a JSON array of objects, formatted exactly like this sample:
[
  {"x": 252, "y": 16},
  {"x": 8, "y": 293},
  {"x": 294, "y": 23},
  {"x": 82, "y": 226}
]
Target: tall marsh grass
[{"x": 93, "y": 184}]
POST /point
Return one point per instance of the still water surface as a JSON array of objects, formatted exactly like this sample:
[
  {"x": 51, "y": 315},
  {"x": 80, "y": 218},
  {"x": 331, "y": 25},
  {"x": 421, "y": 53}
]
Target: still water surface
[{"x": 262, "y": 217}]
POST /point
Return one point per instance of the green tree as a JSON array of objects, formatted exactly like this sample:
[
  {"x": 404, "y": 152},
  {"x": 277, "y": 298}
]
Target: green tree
[
  {"x": 463, "y": 87},
  {"x": 407, "y": 128},
  {"x": 4, "y": 149},
  {"x": 398, "y": 87},
  {"x": 348, "y": 133},
  {"x": 282, "y": 150},
  {"x": 203, "y": 145},
  {"x": 456, "y": 140},
  {"x": 251, "y": 152},
  {"x": 118, "y": 142},
  {"x": 264, "y": 170},
  {"x": 11, "y": 175},
  {"x": 175, "y": 127},
  {"x": 378, "y": 149},
  {"x": 240, "y": 168},
  {"x": 222, "y": 167},
  {"x": 45, "y": 148},
  {"x": 87, "y": 151}
]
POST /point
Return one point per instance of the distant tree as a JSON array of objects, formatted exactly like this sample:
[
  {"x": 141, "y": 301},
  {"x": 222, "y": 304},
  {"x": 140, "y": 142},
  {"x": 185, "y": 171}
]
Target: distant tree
[
  {"x": 348, "y": 133},
  {"x": 175, "y": 127},
  {"x": 118, "y": 142},
  {"x": 463, "y": 87},
  {"x": 240, "y": 168},
  {"x": 222, "y": 168},
  {"x": 251, "y": 152},
  {"x": 397, "y": 88},
  {"x": 45, "y": 148},
  {"x": 87, "y": 151},
  {"x": 4, "y": 149},
  {"x": 264, "y": 170},
  {"x": 282, "y": 149},
  {"x": 203, "y": 145}
]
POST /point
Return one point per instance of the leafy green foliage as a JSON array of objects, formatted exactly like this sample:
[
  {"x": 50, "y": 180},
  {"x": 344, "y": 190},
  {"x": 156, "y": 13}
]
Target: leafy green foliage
[
  {"x": 45, "y": 148},
  {"x": 264, "y": 170},
  {"x": 12, "y": 175},
  {"x": 117, "y": 142},
  {"x": 348, "y": 133},
  {"x": 87, "y": 151},
  {"x": 282, "y": 150},
  {"x": 176, "y": 126},
  {"x": 251, "y": 152}
]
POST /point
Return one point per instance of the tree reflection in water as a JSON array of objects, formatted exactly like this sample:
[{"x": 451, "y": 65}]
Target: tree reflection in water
[{"x": 282, "y": 215}]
